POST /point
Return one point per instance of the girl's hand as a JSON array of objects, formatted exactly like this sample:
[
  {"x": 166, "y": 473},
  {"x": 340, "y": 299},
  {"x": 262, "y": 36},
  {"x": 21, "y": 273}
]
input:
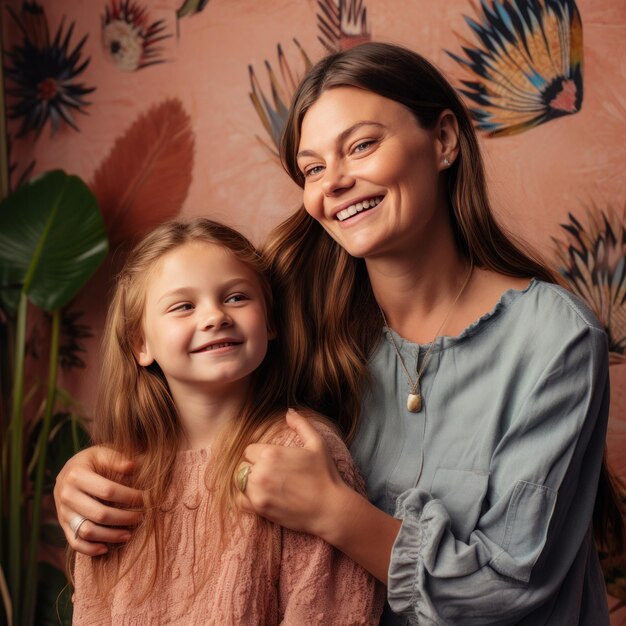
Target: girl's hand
[
  {"x": 299, "y": 488},
  {"x": 80, "y": 491}
]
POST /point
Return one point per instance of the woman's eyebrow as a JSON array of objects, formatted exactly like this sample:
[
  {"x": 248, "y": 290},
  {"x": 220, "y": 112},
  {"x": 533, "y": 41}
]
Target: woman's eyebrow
[{"x": 343, "y": 135}]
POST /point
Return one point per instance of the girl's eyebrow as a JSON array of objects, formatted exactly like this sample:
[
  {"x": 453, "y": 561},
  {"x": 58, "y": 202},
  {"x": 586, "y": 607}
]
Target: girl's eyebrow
[
  {"x": 185, "y": 291},
  {"x": 343, "y": 135}
]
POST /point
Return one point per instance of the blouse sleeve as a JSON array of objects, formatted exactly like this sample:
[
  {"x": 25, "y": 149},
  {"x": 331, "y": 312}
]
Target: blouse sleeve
[
  {"x": 537, "y": 510},
  {"x": 319, "y": 584}
]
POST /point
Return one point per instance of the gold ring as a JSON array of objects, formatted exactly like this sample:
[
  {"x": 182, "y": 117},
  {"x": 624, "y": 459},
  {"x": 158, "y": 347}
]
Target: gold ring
[{"x": 242, "y": 476}]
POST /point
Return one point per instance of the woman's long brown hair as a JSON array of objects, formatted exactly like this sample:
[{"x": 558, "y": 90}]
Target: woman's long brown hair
[
  {"x": 325, "y": 297},
  {"x": 135, "y": 412}
]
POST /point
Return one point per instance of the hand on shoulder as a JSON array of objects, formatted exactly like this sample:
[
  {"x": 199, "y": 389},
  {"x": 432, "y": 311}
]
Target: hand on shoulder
[{"x": 296, "y": 484}]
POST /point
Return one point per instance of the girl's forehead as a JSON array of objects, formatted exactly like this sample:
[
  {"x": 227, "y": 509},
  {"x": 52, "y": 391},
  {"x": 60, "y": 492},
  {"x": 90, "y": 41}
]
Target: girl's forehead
[{"x": 199, "y": 260}]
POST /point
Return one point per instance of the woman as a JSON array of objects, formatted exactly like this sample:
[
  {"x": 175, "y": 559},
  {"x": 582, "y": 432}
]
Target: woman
[{"x": 483, "y": 403}]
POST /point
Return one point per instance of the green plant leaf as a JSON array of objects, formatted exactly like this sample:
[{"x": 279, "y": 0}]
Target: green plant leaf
[
  {"x": 54, "y": 604},
  {"x": 52, "y": 239}
]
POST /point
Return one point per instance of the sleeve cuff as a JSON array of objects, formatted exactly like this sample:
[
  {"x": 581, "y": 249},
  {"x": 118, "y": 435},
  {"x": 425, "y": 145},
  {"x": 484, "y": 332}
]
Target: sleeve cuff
[{"x": 406, "y": 567}]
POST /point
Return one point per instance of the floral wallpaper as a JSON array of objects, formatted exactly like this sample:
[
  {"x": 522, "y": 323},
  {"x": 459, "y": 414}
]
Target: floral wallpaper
[{"x": 176, "y": 106}]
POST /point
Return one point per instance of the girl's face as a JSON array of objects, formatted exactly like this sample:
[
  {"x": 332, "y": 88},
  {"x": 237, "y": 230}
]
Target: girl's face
[
  {"x": 205, "y": 320},
  {"x": 371, "y": 172}
]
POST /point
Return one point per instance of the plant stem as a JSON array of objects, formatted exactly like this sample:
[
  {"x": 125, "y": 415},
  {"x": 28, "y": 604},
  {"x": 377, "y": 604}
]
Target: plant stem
[
  {"x": 6, "y": 599},
  {"x": 32, "y": 564},
  {"x": 4, "y": 152},
  {"x": 17, "y": 463}
]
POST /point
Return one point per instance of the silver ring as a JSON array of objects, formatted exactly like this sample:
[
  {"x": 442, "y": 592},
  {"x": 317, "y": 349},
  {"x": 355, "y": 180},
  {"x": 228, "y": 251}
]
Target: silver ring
[{"x": 75, "y": 523}]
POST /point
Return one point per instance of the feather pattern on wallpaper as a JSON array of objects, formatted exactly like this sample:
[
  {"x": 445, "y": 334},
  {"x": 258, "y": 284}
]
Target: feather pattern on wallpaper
[{"x": 145, "y": 178}]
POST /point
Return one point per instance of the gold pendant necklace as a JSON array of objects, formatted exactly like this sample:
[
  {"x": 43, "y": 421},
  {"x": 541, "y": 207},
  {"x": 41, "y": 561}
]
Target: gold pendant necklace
[{"x": 414, "y": 401}]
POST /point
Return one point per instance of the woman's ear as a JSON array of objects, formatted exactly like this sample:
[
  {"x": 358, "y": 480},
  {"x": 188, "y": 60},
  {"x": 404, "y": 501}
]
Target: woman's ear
[{"x": 447, "y": 138}]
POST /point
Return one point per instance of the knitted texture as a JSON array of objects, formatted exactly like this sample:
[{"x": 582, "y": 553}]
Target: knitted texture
[{"x": 262, "y": 574}]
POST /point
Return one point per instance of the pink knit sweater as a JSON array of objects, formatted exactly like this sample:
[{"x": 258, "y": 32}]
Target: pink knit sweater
[{"x": 277, "y": 577}]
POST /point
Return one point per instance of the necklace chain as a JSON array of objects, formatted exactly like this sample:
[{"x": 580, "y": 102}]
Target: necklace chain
[{"x": 414, "y": 400}]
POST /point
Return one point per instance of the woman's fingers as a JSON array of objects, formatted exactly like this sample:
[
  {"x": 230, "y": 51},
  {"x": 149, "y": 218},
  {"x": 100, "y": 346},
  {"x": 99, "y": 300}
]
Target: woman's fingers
[
  {"x": 90, "y": 507},
  {"x": 95, "y": 533},
  {"x": 96, "y": 486},
  {"x": 289, "y": 485},
  {"x": 306, "y": 431}
]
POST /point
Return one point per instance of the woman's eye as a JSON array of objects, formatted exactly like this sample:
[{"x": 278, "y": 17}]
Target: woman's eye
[
  {"x": 236, "y": 297},
  {"x": 363, "y": 145},
  {"x": 312, "y": 171}
]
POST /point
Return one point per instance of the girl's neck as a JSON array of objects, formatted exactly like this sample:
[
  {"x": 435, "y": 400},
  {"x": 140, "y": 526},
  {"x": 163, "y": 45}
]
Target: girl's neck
[{"x": 205, "y": 413}]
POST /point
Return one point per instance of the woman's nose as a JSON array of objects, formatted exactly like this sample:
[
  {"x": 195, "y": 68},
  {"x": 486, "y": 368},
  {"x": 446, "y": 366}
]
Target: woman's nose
[{"x": 336, "y": 179}]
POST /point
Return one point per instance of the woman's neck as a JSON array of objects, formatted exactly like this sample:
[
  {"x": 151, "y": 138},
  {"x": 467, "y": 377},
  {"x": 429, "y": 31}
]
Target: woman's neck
[{"x": 418, "y": 289}]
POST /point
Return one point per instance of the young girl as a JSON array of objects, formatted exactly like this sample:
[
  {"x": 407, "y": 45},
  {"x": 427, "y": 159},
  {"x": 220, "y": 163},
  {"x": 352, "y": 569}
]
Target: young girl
[{"x": 190, "y": 376}]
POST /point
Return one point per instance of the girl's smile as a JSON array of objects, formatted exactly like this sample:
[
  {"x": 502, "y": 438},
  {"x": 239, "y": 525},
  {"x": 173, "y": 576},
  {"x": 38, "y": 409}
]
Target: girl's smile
[{"x": 205, "y": 322}]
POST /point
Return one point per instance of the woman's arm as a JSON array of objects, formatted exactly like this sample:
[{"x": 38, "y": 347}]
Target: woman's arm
[
  {"x": 534, "y": 525},
  {"x": 81, "y": 491},
  {"x": 301, "y": 489},
  {"x": 318, "y": 584}
]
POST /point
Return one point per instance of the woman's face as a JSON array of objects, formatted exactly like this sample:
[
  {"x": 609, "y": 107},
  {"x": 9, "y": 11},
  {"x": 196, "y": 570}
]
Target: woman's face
[{"x": 372, "y": 174}]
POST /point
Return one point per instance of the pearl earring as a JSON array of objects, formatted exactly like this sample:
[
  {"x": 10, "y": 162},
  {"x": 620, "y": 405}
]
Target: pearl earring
[{"x": 446, "y": 162}]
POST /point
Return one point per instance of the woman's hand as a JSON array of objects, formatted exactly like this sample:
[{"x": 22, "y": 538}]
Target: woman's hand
[
  {"x": 81, "y": 492},
  {"x": 299, "y": 488}
]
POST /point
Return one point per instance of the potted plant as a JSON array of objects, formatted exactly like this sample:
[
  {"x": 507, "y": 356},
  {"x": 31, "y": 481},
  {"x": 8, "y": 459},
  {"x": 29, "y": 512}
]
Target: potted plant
[{"x": 52, "y": 239}]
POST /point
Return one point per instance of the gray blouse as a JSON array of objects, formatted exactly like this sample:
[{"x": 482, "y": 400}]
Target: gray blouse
[{"x": 495, "y": 478}]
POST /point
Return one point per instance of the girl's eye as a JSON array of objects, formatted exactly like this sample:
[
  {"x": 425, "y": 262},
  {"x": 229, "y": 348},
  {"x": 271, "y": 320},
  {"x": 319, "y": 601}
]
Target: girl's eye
[
  {"x": 185, "y": 306},
  {"x": 236, "y": 297}
]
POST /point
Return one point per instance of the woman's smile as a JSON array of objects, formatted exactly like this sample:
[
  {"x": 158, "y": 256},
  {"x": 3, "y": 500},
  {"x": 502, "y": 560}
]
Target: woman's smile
[
  {"x": 371, "y": 172},
  {"x": 355, "y": 208}
]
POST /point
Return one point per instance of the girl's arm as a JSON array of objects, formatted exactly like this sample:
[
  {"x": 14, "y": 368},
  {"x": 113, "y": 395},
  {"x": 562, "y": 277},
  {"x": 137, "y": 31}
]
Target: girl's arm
[
  {"x": 533, "y": 530},
  {"x": 81, "y": 490}
]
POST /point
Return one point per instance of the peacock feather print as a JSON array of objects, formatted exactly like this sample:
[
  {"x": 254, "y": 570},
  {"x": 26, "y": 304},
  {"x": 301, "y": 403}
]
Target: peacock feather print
[
  {"x": 592, "y": 259},
  {"x": 342, "y": 24},
  {"x": 526, "y": 67},
  {"x": 272, "y": 110},
  {"x": 43, "y": 72}
]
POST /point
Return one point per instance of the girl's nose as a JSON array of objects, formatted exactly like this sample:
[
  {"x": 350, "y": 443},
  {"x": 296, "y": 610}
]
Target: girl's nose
[{"x": 216, "y": 317}]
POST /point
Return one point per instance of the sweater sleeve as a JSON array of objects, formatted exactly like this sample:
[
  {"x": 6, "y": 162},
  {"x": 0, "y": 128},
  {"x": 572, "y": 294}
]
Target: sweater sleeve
[
  {"x": 89, "y": 607},
  {"x": 319, "y": 584},
  {"x": 537, "y": 503}
]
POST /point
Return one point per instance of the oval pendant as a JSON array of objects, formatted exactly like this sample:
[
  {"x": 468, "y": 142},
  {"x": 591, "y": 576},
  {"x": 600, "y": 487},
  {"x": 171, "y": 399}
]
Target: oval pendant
[{"x": 414, "y": 402}]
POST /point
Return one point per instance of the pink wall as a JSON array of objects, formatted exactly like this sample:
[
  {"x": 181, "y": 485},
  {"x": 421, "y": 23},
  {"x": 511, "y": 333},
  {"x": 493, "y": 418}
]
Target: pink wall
[{"x": 215, "y": 163}]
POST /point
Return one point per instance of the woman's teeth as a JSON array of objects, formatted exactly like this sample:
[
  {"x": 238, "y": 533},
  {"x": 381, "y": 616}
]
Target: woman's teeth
[{"x": 353, "y": 209}]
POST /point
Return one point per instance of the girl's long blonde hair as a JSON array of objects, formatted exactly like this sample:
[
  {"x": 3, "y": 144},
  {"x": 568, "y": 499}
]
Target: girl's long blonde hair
[
  {"x": 334, "y": 324},
  {"x": 135, "y": 413}
]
